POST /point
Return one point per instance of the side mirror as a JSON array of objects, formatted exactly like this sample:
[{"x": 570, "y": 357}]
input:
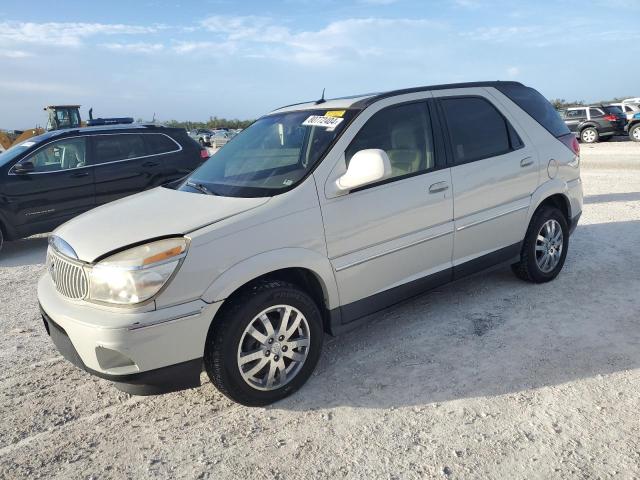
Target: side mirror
[
  {"x": 366, "y": 167},
  {"x": 24, "y": 167}
]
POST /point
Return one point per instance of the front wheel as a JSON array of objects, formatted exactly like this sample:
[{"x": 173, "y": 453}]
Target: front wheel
[
  {"x": 634, "y": 133},
  {"x": 265, "y": 344},
  {"x": 544, "y": 248},
  {"x": 589, "y": 135}
]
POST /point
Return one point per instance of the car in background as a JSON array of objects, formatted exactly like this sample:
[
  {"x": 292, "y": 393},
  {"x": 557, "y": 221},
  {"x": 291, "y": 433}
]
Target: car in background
[
  {"x": 53, "y": 177},
  {"x": 594, "y": 123},
  {"x": 633, "y": 128},
  {"x": 629, "y": 109},
  {"x": 202, "y": 136},
  {"x": 219, "y": 138}
]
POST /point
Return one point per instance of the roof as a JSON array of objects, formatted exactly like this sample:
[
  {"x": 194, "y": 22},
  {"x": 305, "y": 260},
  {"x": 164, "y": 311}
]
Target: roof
[
  {"x": 61, "y": 106},
  {"x": 364, "y": 100},
  {"x": 98, "y": 128}
]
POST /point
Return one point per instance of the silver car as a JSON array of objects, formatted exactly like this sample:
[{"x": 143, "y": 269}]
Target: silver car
[{"x": 310, "y": 221}]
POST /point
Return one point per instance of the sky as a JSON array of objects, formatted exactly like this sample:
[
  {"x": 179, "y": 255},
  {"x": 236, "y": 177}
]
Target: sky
[{"x": 188, "y": 60}]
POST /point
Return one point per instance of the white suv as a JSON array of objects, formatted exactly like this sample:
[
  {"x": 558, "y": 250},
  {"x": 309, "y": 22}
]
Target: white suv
[{"x": 314, "y": 218}]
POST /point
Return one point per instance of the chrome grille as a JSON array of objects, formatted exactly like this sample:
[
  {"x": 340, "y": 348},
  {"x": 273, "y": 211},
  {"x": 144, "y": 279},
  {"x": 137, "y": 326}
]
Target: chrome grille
[{"x": 68, "y": 277}]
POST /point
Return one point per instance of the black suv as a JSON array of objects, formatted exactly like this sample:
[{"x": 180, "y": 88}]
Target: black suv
[
  {"x": 53, "y": 177},
  {"x": 594, "y": 123}
]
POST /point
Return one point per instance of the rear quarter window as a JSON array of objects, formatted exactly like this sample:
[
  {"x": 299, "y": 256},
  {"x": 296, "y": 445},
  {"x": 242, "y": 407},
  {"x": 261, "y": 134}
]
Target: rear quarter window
[
  {"x": 538, "y": 107},
  {"x": 158, "y": 143}
]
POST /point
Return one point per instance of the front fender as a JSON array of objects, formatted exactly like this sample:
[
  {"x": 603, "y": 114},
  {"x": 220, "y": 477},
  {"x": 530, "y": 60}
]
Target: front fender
[{"x": 245, "y": 271}]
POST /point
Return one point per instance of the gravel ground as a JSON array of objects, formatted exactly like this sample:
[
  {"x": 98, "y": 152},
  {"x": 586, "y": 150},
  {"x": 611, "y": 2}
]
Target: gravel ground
[{"x": 486, "y": 378}]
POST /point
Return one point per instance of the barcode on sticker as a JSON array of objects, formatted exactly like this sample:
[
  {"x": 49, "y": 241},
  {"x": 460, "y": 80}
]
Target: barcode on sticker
[{"x": 322, "y": 121}]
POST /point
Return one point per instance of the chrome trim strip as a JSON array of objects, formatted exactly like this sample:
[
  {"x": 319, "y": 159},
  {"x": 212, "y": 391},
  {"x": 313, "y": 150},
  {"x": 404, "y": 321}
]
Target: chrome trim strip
[
  {"x": 393, "y": 250},
  {"x": 479, "y": 222},
  {"x": 138, "y": 326},
  {"x": 97, "y": 164}
]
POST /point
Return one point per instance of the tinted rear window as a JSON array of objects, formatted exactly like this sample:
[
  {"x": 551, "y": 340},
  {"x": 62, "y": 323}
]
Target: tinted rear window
[
  {"x": 613, "y": 109},
  {"x": 160, "y": 143},
  {"x": 489, "y": 136},
  {"x": 538, "y": 107}
]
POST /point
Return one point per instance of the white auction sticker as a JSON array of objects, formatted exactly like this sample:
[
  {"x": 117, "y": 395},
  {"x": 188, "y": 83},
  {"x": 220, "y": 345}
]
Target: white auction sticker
[
  {"x": 322, "y": 121},
  {"x": 27, "y": 144}
]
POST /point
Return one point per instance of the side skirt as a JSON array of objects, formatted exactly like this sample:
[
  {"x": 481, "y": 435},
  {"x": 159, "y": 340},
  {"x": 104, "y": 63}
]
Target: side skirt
[{"x": 352, "y": 315}]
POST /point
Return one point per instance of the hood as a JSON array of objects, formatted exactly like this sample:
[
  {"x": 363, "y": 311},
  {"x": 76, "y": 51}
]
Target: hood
[{"x": 147, "y": 215}]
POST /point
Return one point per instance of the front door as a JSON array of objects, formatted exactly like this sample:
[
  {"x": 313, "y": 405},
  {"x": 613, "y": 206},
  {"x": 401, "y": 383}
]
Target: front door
[
  {"x": 494, "y": 174},
  {"x": 391, "y": 240},
  {"x": 59, "y": 187}
]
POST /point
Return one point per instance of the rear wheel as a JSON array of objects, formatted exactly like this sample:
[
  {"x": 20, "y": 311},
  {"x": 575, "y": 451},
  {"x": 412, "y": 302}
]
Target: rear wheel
[
  {"x": 589, "y": 135},
  {"x": 634, "y": 132},
  {"x": 265, "y": 344},
  {"x": 545, "y": 247}
]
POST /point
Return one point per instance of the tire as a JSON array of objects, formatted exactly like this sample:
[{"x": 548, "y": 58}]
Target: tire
[
  {"x": 531, "y": 266},
  {"x": 634, "y": 132},
  {"x": 589, "y": 135},
  {"x": 201, "y": 141},
  {"x": 232, "y": 335}
]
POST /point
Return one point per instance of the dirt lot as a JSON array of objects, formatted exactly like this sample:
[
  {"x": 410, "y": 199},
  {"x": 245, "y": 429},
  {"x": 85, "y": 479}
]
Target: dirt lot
[{"x": 486, "y": 378}]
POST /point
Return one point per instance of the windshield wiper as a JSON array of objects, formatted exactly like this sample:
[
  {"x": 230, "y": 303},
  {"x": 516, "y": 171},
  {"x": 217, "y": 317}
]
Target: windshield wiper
[{"x": 201, "y": 188}]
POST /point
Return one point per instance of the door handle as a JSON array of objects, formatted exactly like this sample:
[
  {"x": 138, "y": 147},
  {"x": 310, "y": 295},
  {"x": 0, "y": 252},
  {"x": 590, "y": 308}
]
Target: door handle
[
  {"x": 150, "y": 164},
  {"x": 525, "y": 162},
  {"x": 79, "y": 175},
  {"x": 438, "y": 187}
]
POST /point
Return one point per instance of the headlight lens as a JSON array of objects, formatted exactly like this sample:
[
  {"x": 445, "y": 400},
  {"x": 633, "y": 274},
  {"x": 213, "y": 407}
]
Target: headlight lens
[{"x": 137, "y": 274}]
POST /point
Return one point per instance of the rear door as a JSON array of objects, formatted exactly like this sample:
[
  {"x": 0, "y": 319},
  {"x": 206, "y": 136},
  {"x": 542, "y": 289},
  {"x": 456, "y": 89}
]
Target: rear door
[
  {"x": 574, "y": 118},
  {"x": 59, "y": 188},
  {"x": 179, "y": 158},
  {"x": 494, "y": 174},
  {"x": 123, "y": 165}
]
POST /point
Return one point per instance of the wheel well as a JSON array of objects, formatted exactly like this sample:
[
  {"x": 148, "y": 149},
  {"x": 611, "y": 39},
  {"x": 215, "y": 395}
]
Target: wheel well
[
  {"x": 303, "y": 278},
  {"x": 560, "y": 202}
]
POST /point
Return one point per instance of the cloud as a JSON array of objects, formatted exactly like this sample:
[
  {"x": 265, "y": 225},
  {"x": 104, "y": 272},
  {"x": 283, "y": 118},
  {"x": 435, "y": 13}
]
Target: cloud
[
  {"x": 67, "y": 34},
  {"x": 348, "y": 40},
  {"x": 15, "y": 54},
  {"x": 513, "y": 72},
  {"x": 139, "y": 47},
  {"x": 40, "y": 87}
]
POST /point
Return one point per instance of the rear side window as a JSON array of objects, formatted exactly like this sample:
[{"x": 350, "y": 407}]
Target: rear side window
[
  {"x": 158, "y": 143},
  {"x": 596, "y": 112},
  {"x": 536, "y": 106},
  {"x": 613, "y": 109},
  {"x": 113, "y": 148},
  {"x": 477, "y": 129}
]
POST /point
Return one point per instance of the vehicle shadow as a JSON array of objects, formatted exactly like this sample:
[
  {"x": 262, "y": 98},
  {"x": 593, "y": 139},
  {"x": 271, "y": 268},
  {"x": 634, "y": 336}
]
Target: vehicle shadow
[
  {"x": 493, "y": 334},
  {"x": 612, "y": 197},
  {"x": 27, "y": 251}
]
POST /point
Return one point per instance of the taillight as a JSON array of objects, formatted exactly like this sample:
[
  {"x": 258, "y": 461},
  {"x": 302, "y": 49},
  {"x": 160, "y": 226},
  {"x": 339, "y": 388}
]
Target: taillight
[
  {"x": 204, "y": 154},
  {"x": 611, "y": 118},
  {"x": 571, "y": 142}
]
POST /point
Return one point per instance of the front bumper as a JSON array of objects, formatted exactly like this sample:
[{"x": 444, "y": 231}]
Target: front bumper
[{"x": 144, "y": 353}]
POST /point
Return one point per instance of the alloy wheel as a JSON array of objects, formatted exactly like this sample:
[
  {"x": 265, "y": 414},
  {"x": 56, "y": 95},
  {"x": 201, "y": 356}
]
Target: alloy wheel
[
  {"x": 273, "y": 347},
  {"x": 549, "y": 245},
  {"x": 589, "y": 136}
]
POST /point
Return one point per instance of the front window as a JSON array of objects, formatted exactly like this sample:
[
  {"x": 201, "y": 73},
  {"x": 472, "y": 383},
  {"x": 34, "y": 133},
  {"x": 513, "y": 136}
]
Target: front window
[
  {"x": 64, "y": 154},
  {"x": 270, "y": 156}
]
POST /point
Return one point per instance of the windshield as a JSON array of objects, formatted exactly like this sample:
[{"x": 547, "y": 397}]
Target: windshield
[
  {"x": 13, "y": 152},
  {"x": 272, "y": 155}
]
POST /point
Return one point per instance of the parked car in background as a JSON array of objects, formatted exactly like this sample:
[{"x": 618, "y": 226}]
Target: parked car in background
[
  {"x": 594, "y": 123},
  {"x": 312, "y": 220},
  {"x": 219, "y": 138},
  {"x": 633, "y": 128},
  {"x": 202, "y": 136},
  {"x": 629, "y": 109},
  {"x": 53, "y": 177}
]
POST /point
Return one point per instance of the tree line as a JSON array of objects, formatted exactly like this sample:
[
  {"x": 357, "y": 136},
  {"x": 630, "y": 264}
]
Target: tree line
[
  {"x": 212, "y": 123},
  {"x": 561, "y": 103}
]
